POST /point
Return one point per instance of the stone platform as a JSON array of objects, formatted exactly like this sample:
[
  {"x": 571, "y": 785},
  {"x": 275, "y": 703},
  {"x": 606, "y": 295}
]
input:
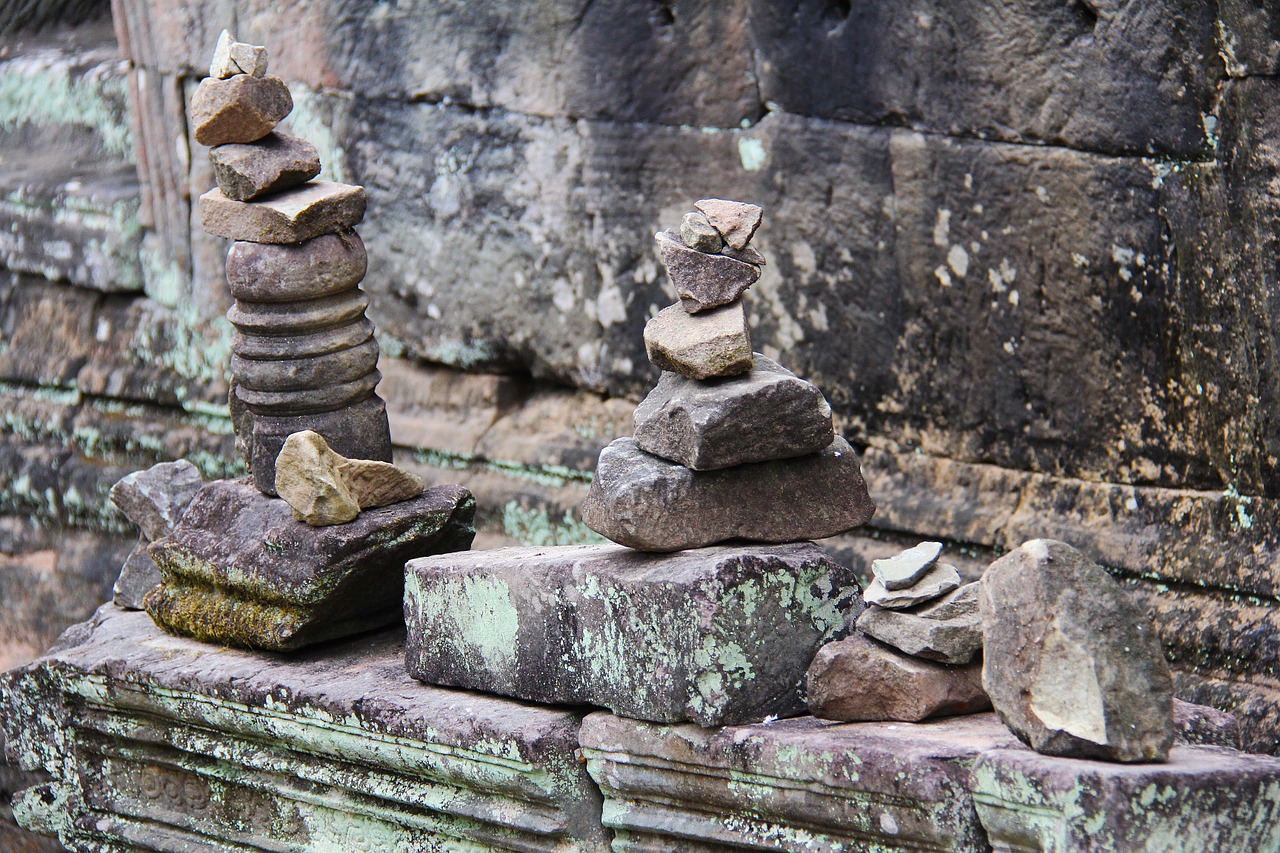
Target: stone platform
[{"x": 159, "y": 743}]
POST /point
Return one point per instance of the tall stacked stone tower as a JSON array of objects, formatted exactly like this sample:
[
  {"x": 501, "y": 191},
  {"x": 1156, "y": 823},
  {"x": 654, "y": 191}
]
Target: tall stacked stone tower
[{"x": 304, "y": 354}]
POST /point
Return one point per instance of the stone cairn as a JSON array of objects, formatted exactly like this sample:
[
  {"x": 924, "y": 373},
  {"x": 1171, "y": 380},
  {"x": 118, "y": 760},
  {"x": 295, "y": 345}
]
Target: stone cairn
[
  {"x": 304, "y": 354},
  {"x": 729, "y": 445}
]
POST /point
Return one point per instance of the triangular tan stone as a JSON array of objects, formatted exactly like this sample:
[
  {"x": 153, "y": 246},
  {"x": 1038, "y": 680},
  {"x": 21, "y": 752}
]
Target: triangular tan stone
[{"x": 736, "y": 221}]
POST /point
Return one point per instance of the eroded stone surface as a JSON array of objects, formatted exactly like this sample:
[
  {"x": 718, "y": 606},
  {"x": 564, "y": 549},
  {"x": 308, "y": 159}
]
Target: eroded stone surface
[
  {"x": 239, "y": 569},
  {"x": 700, "y": 346},
  {"x": 155, "y": 499},
  {"x": 1072, "y": 666},
  {"x": 765, "y": 414},
  {"x": 309, "y": 478},
  {"x": 275, "y": 162},
  {"x": 716, "y": 635},
  {"x": 736, "y": 221},
  {"x": 322, "y": 266},
  {"x": 239, "y": 109},
  {"x": 644, "y": 502},
  {"x": 703, "y": 281},
  {"x": 858, "y": 679},
  {"x": 292, "y": 216},
  {"x": 904, "y": 570},
  {"x": 938, "y": 581},
  {"x": 948, "y": 630}
]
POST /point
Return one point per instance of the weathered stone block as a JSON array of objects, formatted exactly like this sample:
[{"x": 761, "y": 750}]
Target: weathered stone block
[
  {"x": 700, "y": 346},
  {"x": 157, "y": 741},
  {"x": 274, "y": 163},
  {"x": 239, "y": 109},
  {"x": 1203, "y": 799},
  {"x": 644, "y": 502},
  {"x": 765, "y": 414},
  {"x": 292, "y": 216},
  {"x": 717, "y": 636},
  {"x": 239, "y": 569},
  {"x": 322, "y": 266}
]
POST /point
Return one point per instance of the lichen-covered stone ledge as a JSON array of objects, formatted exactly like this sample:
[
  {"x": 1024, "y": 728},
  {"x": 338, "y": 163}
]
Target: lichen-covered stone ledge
[{"x": 157, "y": 742}]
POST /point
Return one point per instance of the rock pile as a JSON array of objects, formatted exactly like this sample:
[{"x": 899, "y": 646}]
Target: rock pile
[
  {"x": 913, "y": 659},
  {"x": 304, "y": 356},
  {"x": 729, "y": 445}
]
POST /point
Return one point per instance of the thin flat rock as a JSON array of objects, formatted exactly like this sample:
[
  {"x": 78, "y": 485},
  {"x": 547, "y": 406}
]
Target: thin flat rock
[
  {"x": 239, "y": 109},
  {"x": 650, "y": 504},
  {"x": 700, "y": 346},
  {"x": 904, "y": 570},
  {"x": 376, "y": 484},
  {"x": 292, "y": 216},
  {"x": 138, "y": 576},
  {"x": 765, "y": 414},
  {"x": 948, "y": 630},
  {"x": 939, "y": 580},
  {"x": 736, "y": 221},
  {"x": 274, "y": 163},
  {"x": 703, "y": 281}
]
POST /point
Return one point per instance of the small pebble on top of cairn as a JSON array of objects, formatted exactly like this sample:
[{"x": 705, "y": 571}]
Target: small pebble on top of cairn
[
  {"x": 304, "y": 356},
  {"x": 729, "y": 445}
]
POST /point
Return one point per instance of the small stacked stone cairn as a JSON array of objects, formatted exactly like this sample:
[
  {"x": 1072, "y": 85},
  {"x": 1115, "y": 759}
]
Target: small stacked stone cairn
[
  {"x": 729, "y": 445},
  {"x": 912, "y": 657},
  {"x": 304, "y": 356},
  {"x": 325, "y": 559}
]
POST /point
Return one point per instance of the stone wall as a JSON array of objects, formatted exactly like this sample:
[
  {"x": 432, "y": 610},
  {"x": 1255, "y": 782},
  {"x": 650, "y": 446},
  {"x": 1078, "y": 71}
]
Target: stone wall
[{"x": 1029, "y": 250}]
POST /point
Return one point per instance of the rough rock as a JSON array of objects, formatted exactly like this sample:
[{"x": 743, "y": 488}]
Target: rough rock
[
  {"x": 155, "y": 499},
  {"x": 275, "y": 162},
  {"x": 292, "y": 216},
  {"x": 375, "y": 484},
  {"x": 716, "y": 636},
  {"x": 1072, "y": 666},
  {"x": 231, "y": 57},
  {"x": 904, "y": 570},
  {"x": 1199, "y": 725},
  {"x": 240, "y": 570},
  {"x": 948, "y": 630},
  {"x": 239, "y": 109},
  {"x": 322, "y": 266},
  {"x": 748, "y": 255},
  {"x": 697, "y": 232},
  {"x": 309, "y": 478},
  {"x": 940, "y": 580},
  {"x": 765, "y": 414},
  {"x": 138, "y": 576},
  {"x": 701, "y": 346},
  {"x": 858, "y": 679},
  {"x": 650, "y": 504},
  {"x": 736, "y": 221},
  {"x": 703, "y": 281}
]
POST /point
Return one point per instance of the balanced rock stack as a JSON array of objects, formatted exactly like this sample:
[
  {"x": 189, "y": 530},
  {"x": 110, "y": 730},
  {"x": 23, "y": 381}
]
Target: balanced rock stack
[
  {"x": 304, "y": 356},
  {"x": 729, "y": 445},
  {"x": 914, "y": 657}
]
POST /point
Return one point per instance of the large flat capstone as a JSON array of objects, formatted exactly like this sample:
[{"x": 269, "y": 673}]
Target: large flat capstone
[
  {"x": 717, "y": 635},
  {"x": 157, "y": 742},
  {"x": 240, "y": 569}
]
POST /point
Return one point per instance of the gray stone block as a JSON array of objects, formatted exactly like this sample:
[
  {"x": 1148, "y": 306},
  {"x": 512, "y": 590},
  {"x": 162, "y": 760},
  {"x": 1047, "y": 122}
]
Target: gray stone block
[
  {"x": 717, "y": 635},
  {"x": 239, "y": 569},
  {"x": 701, "y": 346},
  {"x": 644, "y": 502},
  {"x": 163, "y": 743},
  {"x": 156, "y": 498},
  {"x": 765, "y": 414},
  {"x": 138, "y": 576}
]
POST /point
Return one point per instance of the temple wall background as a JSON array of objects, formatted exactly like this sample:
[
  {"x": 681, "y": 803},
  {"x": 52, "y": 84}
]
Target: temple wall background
[{"x": 1030, "y": 249}]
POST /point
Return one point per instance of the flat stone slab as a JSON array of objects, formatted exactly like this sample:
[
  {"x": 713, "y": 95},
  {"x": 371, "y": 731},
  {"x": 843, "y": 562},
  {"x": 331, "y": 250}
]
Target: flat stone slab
[
  {"x": 766, "y": 414},
  {"x": 138, "y": 576},
  {"x": 700, "y": 346},
  {"x": 163, "y": 743},
  {"x": 275, "y": 162},
  {"x": 904, "y": 570},
  {"x": 241, "y": 570},
  {"x": 650, "y": 504},
  {"x": 716, "y": 635},
  {"x": 155, "y": 498},
  {"x": 941, "y": 579},
  {"x": 292, "y": 216}
]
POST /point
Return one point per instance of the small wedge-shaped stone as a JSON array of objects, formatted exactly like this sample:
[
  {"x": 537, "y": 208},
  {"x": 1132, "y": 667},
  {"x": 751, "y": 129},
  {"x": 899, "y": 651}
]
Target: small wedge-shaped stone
[
  {"x": 765, "y": 414},
  {"x": 650, "y": 504},
  {"x": 699, "y": 234},
  {"x": 292, "y": 216},
  {"x": 904, "y": 570},
  {"x": 138, "y": 576},
  {"x": 156, "y": 498},
  {"x": 233, "y": 57},
  {"x": 948, "y": 630},
  {"x": 376, "y": 484},
  {"x": 703, "y": 281},
  {"x": 700, "y": 346},
  {"x": 736, "y": 221},
  {"x": 242, "y": 108},
  {"x": 748, "y": 255},
  {"x": 274, "y": 163},
  {"x": 939, "y": 580},
  {"x": 309, "y": 479},
  {"x": 859, "y": 680},
  {"x": 321, "y": 266},
  {"x": 1073, "y": 666}
]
